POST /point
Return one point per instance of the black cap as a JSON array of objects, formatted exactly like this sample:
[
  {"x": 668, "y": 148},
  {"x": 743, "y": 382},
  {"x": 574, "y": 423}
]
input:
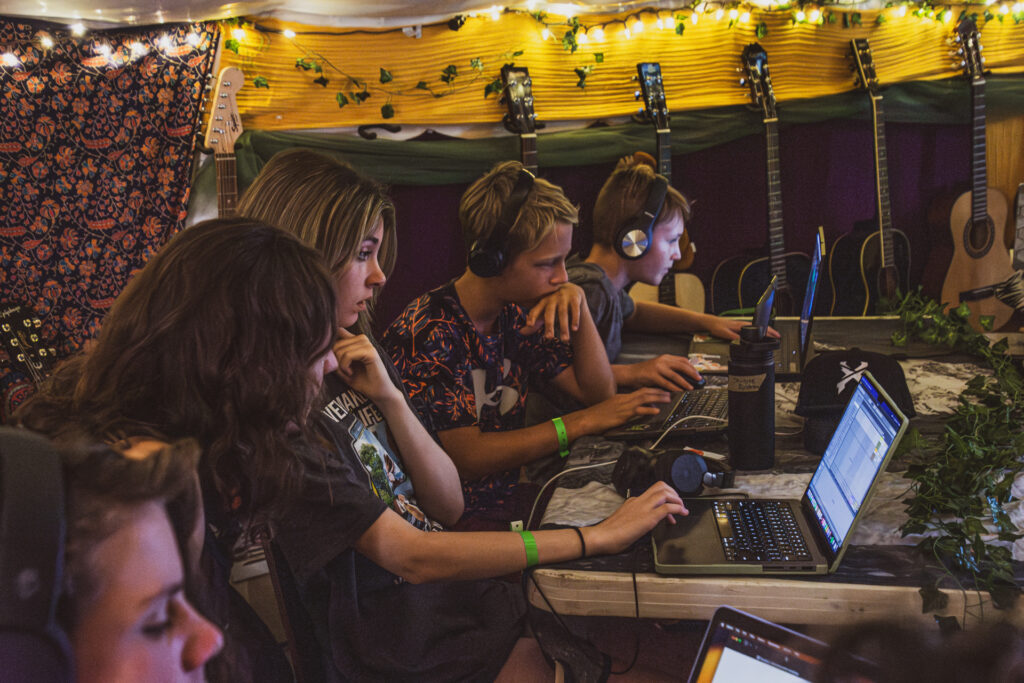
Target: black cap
[{"x": 828, "y": 383}]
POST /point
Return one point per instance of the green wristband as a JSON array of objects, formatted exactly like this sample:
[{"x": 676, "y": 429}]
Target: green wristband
[
  {"x": 530, "y": 544},
  {"x": 563, "y": 437}
]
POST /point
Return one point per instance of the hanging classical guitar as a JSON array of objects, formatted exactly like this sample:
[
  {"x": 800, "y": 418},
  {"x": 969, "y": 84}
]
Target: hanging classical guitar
[
  {"x": 652, "y": 90},
  {"x": 867, "y": 264},
  {"x": 222, "y": 132},
  {"x": 738, "y": 281},
  {"x": 978, "y": 218},
  {"x": 520, "y": 118}
]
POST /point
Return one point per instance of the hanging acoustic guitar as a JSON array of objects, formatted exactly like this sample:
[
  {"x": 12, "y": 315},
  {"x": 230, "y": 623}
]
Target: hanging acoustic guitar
[
  {"x": 652, "y": 90},
  {"x": 978, "y": 218},
  {"x": 222, "y": 132},
  {"x": 738, "y": 282},
  {"x": 867, "y": 265},
  {"x": 520, "y": 118}
]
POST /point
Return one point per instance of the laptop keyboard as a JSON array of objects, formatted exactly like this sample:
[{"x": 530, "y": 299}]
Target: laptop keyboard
[
  {"x": 759, "y": 531},
  {"x": 704, "y": 402}
]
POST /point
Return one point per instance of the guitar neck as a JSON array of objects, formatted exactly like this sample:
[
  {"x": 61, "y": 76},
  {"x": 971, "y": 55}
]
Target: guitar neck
[
  {"x": 664, "y": 143},
  {"x": 227, "y": 185},
  {"x": 979, "y": 167},
  {"x": 776, "y": 241},
  {"x": 528, "y": 151},
  {"x": 882, "y": 182}
]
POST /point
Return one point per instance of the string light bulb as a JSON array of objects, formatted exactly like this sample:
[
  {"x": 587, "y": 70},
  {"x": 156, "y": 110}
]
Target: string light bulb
[
  {"x": 46, "y": 42},
  {"x": 800, "y": 16},
  {"x": 734, "y": 14},
  {"x": 901, "y": 11},
  {"x": 10, "y": 60},
  {"x": 581, "y": 37},
  {"x": 814, "y": 16},
  {"x": 495, "y": 12},
  {"x": 745, "y": 17},
  {"x": 288, "y": 33},
  {"x": 238, "y": 33},
  {"x": 599, "y": 34},
  {"x": 638, "y": 26},
  {"x": 719, "y": 13},
  {"x": 1004, "y": 9},
  {"x": 694, "y": 18},
  {"x": 546, "y": 33},
  {"x": 77, "y": 29}
]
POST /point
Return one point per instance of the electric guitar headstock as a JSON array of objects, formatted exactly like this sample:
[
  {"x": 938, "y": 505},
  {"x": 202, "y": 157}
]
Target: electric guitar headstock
[
  {"x": 652, "y": 90},
  {"x": 969, "y": 52},
  {"x": 225, "y": 125},
  {"x": 21, "y": 338},
  {"x": 864, "y": 65},
  {"x": 520, "y": 118},
  {"x": 759, "y": 80}
]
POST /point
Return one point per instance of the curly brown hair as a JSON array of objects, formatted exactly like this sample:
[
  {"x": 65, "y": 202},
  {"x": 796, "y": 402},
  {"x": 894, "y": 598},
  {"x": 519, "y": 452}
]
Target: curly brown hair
[{"x": 212, "y": 340}]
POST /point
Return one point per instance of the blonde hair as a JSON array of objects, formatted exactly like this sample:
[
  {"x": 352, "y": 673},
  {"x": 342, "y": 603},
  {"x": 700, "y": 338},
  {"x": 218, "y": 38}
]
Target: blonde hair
[
  {"x": 327, "y": 204},
  {"x": 624, "y": 194},
  {"x": 483, "y": 203}
]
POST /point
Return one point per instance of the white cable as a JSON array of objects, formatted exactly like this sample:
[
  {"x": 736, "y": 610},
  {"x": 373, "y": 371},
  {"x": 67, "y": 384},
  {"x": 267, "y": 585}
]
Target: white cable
[
  {"x": 536, "y": 500},
  {"x": 682, "y": 420}
]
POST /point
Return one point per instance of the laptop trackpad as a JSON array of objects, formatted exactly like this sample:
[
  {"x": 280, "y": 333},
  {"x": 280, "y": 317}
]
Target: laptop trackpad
[{"x": 692, "y": 540}]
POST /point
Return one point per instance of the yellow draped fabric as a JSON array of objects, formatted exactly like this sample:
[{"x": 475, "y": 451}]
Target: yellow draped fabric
[{"x": 699, "y": 67}]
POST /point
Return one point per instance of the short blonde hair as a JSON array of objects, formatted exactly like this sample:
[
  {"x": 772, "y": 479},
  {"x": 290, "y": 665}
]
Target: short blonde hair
[
  {"x": 483, "y": 203},
  {"x": 624, "y": 194}
]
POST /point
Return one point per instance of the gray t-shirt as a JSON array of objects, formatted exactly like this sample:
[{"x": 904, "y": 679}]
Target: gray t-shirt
[{"x": 609, "y": 306}]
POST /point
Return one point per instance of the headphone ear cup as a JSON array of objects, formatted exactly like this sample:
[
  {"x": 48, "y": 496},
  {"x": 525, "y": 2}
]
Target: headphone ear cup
[
  {"x": 634, "y": 471},
  {"x": 683, "y": 471},
  {"x": 486, "y": 261},
  {"x": 632, "y": 242}
]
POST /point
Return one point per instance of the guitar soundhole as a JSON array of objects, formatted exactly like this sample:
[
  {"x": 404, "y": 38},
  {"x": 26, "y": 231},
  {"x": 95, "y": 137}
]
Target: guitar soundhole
[{"x": 979, "y": 237}]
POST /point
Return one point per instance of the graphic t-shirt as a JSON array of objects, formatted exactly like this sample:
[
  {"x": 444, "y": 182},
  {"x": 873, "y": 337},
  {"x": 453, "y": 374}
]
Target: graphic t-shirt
[
  {"x": 459, "y": 378},
  {"x": 371, "y": 624}
]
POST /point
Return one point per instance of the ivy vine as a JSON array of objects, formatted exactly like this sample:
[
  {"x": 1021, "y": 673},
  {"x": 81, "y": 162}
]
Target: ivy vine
[{"x": 962, "y": 479}]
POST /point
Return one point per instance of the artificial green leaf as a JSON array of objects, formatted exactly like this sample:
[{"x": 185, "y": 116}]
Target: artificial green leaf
[
  {"x": 342, "y": 100},
  {"x": 261, "y": 82},
  {"x": 387, "y": 111},
  {"x": 599, "y": 57},
  {"x": 761, "y": 30},
  {"x": 932, "y": 598},
  {"x": 322, "y": 81},
  {"x": 477, "y": 64},
  {"x": 492, "y": 88},
  {"x": 385, "y": 75},
  {"x": 680, "y": 27},
  {"x": 569, "y": 43},
  {"x": 361, "y": 96},
  {"x": 422, "y": 85},
  {"x": 232, "y": 44}
]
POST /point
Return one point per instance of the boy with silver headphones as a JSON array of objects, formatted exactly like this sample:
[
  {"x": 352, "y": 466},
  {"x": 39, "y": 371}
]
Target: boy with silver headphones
[
  {"x": 638, "y": 221},
  {"x": 468, "y": 350}
]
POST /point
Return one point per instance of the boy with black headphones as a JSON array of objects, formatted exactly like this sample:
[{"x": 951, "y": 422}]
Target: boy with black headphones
[
  {"x": 468, "y": 350},
  {"x": 638, "y": 220}
]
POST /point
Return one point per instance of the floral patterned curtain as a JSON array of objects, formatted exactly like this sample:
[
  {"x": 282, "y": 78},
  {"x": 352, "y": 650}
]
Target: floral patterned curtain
[{"x": 97, "y": 133}]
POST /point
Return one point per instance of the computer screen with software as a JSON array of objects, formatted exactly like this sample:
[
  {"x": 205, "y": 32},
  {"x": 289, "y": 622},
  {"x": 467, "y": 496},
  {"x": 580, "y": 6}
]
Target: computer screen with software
[{"x": 867, "y": 431}]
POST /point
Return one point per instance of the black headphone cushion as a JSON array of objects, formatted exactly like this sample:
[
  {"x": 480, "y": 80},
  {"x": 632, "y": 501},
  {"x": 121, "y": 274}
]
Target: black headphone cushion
[{"x": 684, "y": 470}]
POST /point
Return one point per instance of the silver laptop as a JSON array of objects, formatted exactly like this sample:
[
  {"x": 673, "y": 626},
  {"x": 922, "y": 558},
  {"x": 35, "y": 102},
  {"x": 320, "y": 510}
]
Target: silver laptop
[
  {"x": 701, "y": 411},
  {"x": 806, "y": 536}
]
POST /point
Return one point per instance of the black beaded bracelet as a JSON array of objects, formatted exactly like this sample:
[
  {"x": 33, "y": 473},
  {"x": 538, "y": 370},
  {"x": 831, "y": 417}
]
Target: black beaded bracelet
[{"x": 583, "y": 544}]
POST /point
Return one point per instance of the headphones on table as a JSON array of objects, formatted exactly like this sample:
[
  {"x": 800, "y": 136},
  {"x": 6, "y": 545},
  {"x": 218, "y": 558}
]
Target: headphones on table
[
  {"x": 32, "y": 647},
  {"x": 683, "y": 469},
  {"x": 633, "y": 239},
  {"x": 487, "y": 255}
]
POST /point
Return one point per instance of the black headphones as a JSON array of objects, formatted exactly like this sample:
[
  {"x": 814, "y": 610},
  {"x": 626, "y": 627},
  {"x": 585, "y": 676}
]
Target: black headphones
[
  {"x": 633, "y": 239},
  {"x": 32, "y": 646},
  {"x": 487, "y": 255},
  {"x": 683, "y": 469}
]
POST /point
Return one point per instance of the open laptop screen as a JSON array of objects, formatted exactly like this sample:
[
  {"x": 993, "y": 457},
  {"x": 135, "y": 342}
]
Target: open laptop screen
[
  {"x": 740, "y": 648},
  {"x": 811, "y": 294},
  {"x": 866, "y": 434}
]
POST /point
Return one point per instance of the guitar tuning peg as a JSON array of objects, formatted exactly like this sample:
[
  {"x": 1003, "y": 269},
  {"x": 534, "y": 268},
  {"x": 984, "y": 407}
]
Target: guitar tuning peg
[
  {"x": 743, "y": 82},
  {"x": 959, "y": 64},
  {"x": 636, "y": 94}
]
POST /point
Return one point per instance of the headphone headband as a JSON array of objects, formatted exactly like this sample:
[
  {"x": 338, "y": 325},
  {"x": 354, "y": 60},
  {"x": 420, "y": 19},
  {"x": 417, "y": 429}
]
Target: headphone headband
[
  {"x": 634, "y": 238},
  {"x": 487, "y": 256}
]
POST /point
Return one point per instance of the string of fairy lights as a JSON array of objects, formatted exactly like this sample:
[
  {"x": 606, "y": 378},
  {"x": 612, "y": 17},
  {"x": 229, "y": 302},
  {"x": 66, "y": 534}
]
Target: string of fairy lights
[{"x": 562, "y": 22}]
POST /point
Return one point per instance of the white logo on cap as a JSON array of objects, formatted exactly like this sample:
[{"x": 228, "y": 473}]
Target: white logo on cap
[{"x": 850, "y": 375}]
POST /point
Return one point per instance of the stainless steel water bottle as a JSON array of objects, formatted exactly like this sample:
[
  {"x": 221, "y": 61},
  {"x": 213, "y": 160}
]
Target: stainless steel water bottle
[{"x": 752, "y": 400}]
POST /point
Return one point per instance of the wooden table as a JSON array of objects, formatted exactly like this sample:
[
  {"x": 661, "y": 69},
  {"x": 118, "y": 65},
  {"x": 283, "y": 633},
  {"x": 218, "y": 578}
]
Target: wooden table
[{"x": 873, "y": 582}]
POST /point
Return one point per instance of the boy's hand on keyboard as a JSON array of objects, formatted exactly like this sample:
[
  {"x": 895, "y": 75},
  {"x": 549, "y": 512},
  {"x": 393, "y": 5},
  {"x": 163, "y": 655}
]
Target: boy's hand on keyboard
[
  {"x": 672, "y": 373},
  {"x": 621, "y": 408}
]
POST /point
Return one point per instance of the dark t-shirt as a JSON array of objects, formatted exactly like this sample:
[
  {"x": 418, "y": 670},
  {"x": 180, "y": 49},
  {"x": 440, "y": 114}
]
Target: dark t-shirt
[
  {"x": 378, "y": 626},
  {"x": 459, "y": 378},
  {"x": 609, "y": 306}
]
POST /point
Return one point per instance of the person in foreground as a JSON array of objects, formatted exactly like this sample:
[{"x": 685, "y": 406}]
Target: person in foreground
[
  {"x": 469, "y": 349},
  {"x": 226, "y": 336},
  {"x": 609, "y": 270},
  {"x": 130, "y": 513}
]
